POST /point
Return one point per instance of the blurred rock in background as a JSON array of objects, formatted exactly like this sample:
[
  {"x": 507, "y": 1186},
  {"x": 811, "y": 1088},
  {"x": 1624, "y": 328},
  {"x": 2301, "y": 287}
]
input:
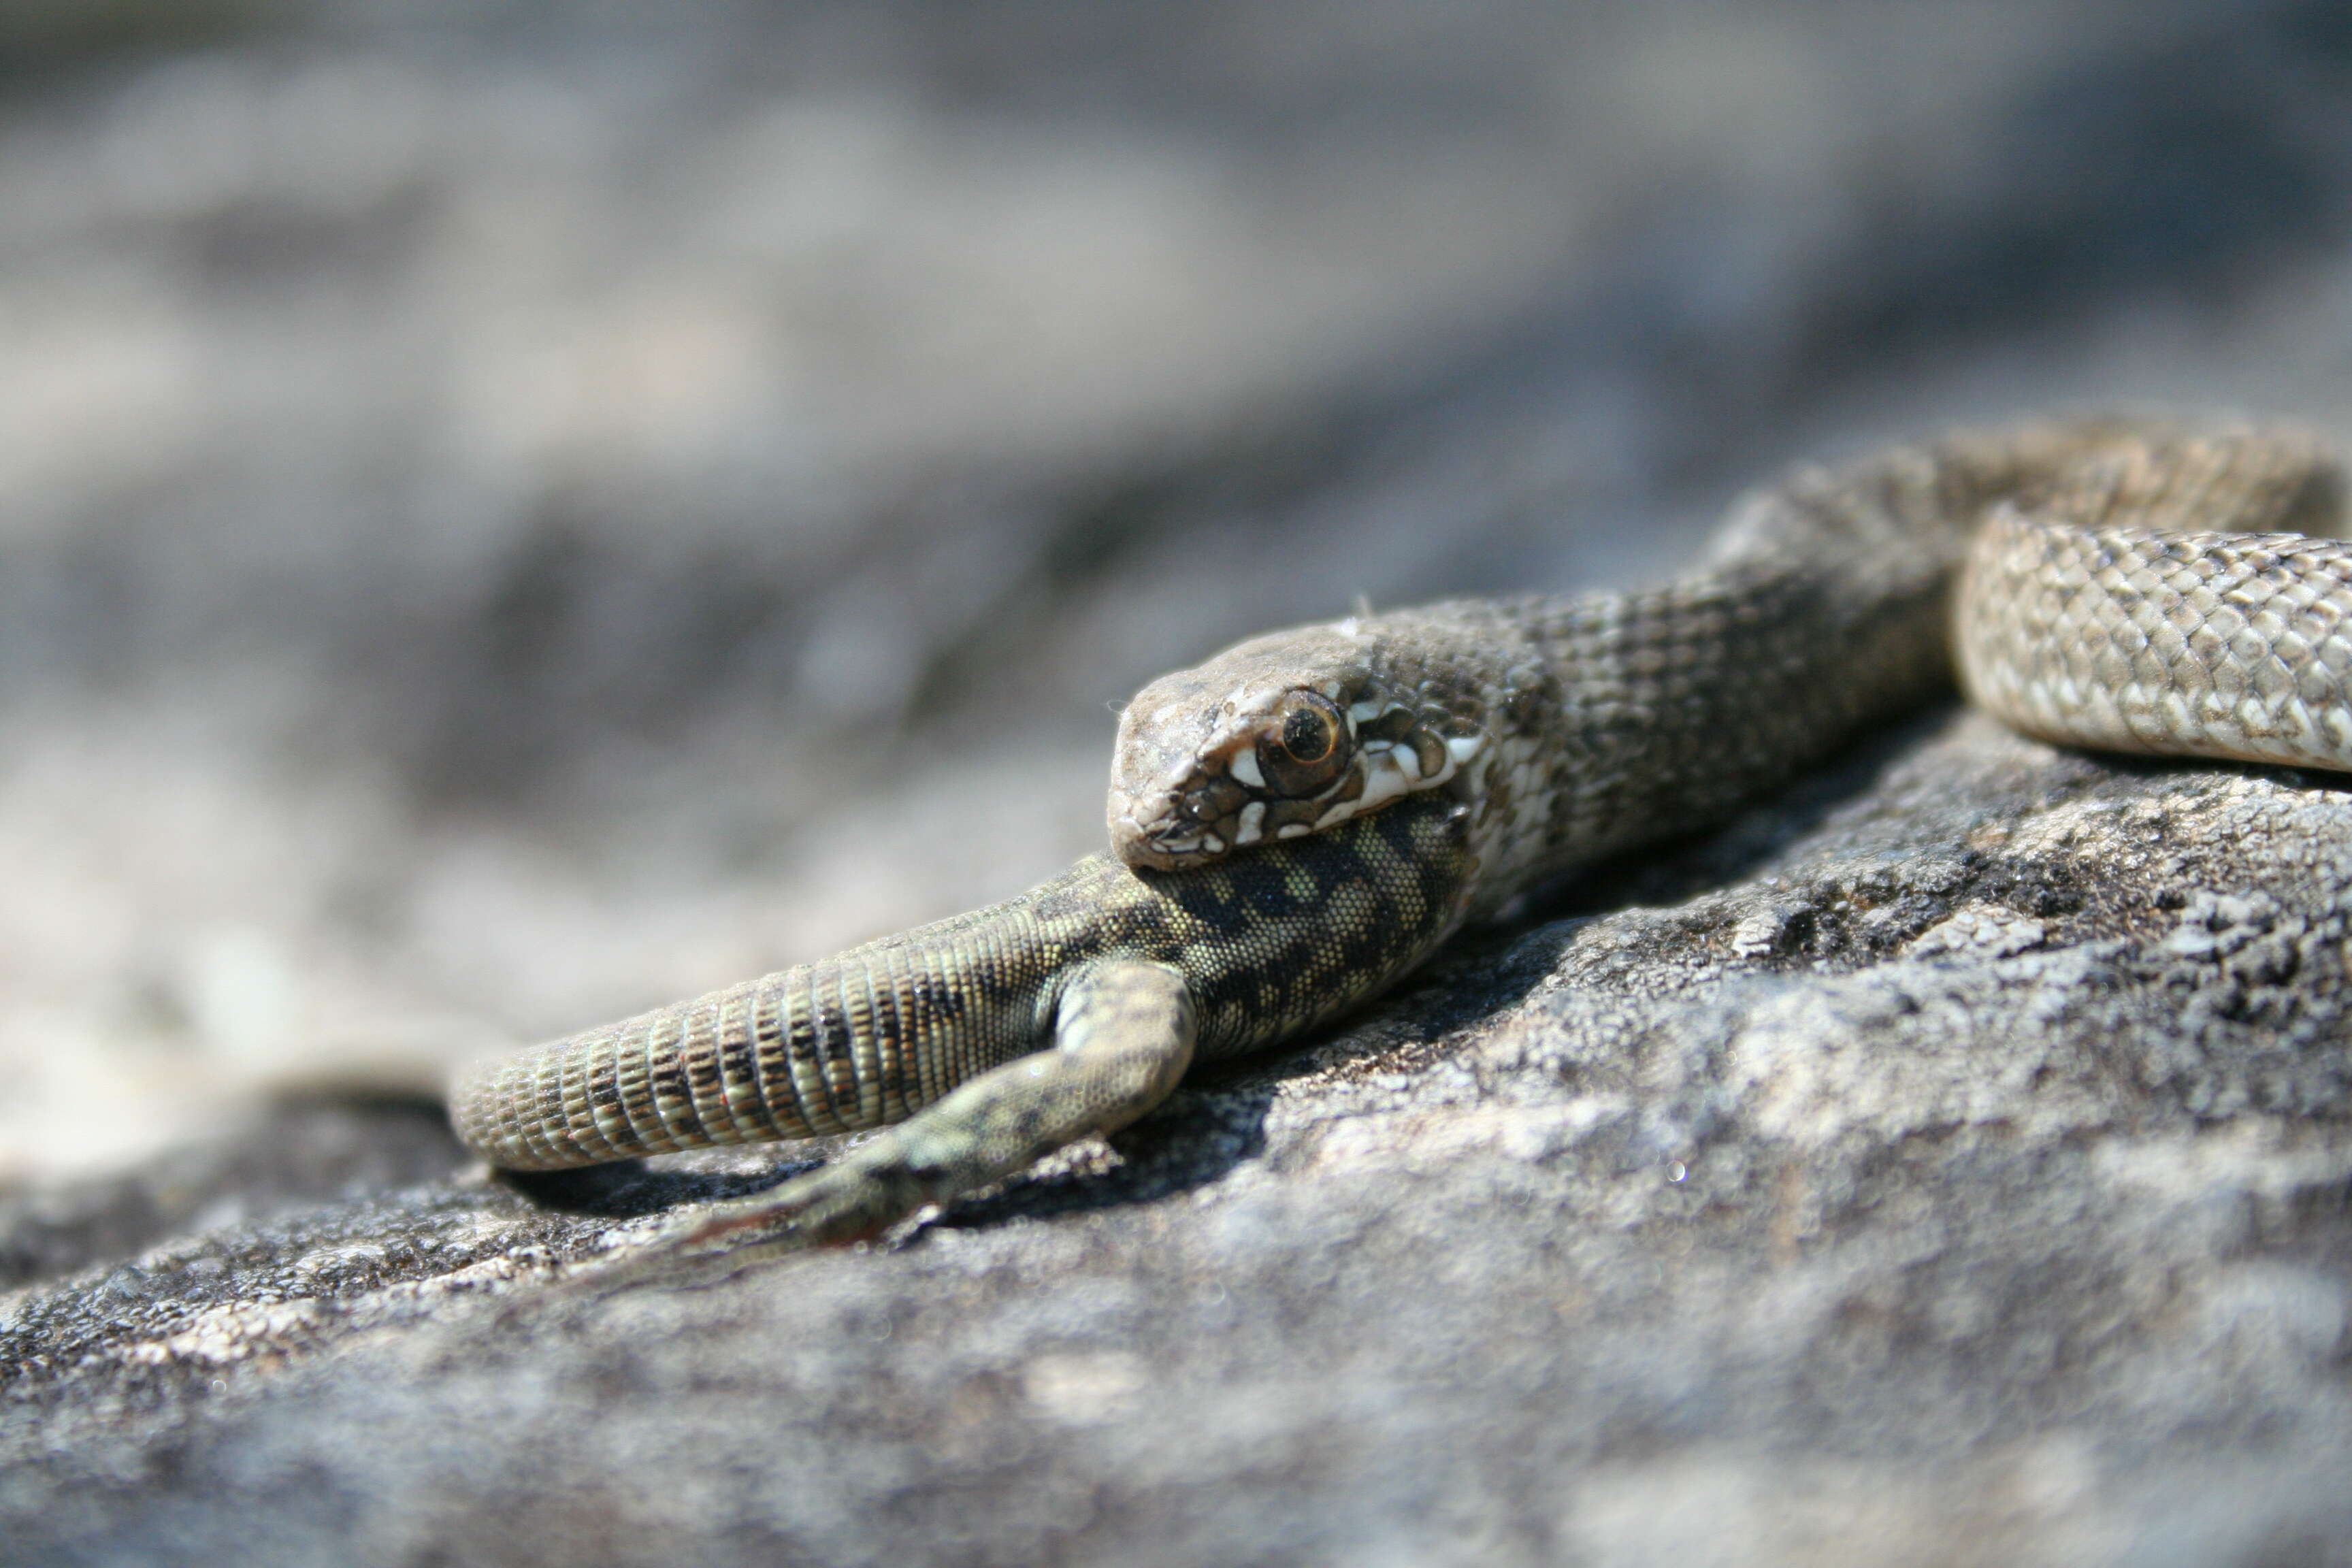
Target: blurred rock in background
[{"x": 511, "y": 513}]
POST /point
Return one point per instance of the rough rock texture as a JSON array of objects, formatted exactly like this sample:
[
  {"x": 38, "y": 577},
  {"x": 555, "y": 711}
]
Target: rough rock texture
[{"x": 1950, "y": 1167}]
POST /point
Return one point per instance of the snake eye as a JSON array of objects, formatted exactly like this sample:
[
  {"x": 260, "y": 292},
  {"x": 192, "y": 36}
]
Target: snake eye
[
  {"x": 1308, "y": 736},
  {"x": 1305, "y": 745}
]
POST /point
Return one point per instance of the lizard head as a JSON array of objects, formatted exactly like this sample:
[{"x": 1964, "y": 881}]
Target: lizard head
[{"x": 1277, "y": 738}]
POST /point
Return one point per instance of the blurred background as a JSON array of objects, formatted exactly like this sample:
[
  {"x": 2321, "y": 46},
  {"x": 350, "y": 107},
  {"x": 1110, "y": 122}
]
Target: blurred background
[{"x": 511, "y": 513}]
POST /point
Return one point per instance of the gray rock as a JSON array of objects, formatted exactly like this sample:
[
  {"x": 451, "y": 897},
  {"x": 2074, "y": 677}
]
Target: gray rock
[{"x": 1946, "y": 1163}]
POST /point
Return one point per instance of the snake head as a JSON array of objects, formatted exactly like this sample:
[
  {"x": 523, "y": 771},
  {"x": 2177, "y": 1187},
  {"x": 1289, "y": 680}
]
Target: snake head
[{"x": 1279, "y": 737}]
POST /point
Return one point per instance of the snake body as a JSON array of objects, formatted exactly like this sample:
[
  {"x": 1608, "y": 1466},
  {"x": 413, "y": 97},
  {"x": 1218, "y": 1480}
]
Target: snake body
[
  {"x": 2112, "y": 596},
  {"x": 1299, "y": 821}
]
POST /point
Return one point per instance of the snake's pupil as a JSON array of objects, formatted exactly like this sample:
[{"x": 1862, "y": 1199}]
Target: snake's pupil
[{"x": 1307, "y": 735}]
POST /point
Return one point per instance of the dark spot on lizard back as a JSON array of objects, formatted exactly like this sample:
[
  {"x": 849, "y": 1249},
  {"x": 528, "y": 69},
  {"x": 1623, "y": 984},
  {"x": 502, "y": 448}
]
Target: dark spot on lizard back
[{"x": 1261, "y": 887}]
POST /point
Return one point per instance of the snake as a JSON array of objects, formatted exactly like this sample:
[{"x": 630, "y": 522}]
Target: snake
[{"x": 1298, "y": 822}]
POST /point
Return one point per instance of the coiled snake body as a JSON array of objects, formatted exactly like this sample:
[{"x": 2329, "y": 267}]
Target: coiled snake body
[{"x": 1300, "y": 820}]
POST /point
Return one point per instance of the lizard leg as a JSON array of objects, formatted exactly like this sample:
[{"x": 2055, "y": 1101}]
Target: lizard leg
[{"x": 1123, "y": 1036}]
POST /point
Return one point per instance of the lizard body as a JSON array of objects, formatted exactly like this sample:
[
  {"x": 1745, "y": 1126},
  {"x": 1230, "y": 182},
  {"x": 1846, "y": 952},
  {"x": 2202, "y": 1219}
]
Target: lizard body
[{"x": 1069, "y": 1010}]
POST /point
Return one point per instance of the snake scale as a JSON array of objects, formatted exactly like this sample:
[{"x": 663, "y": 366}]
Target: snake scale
[{"x": 1299, "y": 821}]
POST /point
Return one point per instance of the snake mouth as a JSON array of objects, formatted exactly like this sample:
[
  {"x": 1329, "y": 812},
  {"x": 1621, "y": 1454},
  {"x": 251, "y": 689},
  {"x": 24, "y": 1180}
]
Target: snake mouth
[
  {"x": 1182, "y": 825},
  {"x": 1216, "y": 804},
  {"x": 1208, "y": 816},
  {"x": 1164, "y": 849}
]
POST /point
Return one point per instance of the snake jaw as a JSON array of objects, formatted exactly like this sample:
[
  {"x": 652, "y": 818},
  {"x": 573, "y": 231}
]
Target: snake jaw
[
  {"x": 1230, "y": 788},
  {"x": 1180, "y": 827},
  {"x": 1275, "y": 739},
  {"x": 1189, "y": 782},
  {"x": 1174, "y": 804},
  {"x": 1196, "y": 805}
]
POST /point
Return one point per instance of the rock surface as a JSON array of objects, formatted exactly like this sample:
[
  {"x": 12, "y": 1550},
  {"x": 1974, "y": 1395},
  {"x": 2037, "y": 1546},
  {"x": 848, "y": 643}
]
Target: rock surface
[{"x": 1947, "y": 1165}]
